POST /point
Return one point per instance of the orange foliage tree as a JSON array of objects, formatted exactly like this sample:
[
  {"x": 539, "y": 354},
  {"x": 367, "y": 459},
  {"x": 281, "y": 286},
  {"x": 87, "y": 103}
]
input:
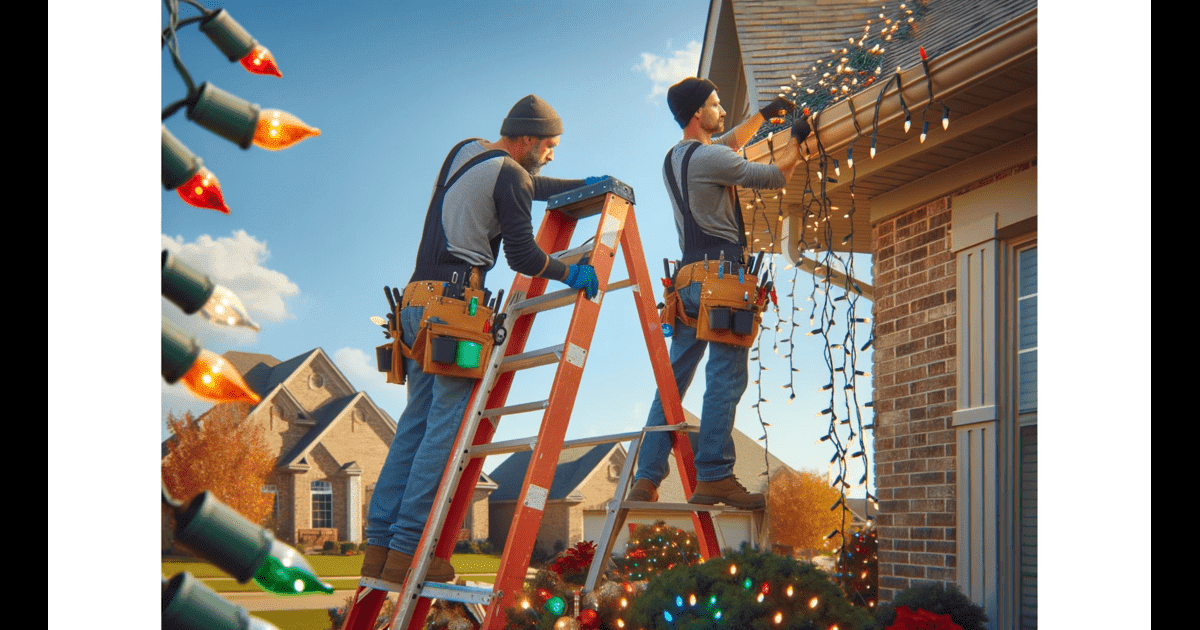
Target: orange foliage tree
[
  {"x": 221, "y": 453},
  {"x": 798, "y": 507}
]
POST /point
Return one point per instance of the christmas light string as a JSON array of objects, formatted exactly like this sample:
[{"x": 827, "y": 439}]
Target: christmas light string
[{"x": 220, "y": 112}]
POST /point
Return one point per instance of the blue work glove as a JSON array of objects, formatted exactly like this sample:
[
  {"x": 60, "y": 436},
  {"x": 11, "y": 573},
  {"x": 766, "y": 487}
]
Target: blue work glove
[
  {"x": 583, "y": 277},
  {"x": 595, "y": 180}
]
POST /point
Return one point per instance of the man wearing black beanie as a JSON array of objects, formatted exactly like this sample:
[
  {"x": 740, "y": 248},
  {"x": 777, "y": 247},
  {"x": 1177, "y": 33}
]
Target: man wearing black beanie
[
  {"x": 701, "y": 173},
  {"x": 482, "y": 199}
]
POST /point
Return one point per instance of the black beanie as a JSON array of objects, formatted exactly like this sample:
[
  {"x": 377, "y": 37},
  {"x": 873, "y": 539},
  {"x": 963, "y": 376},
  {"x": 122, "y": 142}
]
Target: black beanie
[
  {"x": 531, "y": 116},
  {"x": 687, "y": 97}
]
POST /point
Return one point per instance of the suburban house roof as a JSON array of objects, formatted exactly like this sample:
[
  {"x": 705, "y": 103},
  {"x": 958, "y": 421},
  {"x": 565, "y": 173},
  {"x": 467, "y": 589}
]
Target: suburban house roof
[
  {"x": 982, "y": 61},
  {"x": 268, "y": 377},
  {"x": 575, "y": 464}
]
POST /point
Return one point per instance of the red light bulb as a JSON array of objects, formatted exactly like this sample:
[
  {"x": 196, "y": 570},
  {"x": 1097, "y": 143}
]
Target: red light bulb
[
  {"x": 212, "y": 377},
  {"x": 279, "y": 130},
  {"x": 260, "y": 61},
  {"x": 203, "y": 191}
]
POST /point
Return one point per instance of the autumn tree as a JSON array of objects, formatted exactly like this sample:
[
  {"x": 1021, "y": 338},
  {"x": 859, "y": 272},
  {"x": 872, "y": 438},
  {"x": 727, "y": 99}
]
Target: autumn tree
[
  {"x": 222, "y": 453},
  {"x": 798, "y": 507}
]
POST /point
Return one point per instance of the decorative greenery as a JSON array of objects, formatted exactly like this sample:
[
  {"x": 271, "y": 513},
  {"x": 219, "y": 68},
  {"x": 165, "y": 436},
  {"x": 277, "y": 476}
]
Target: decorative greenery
[
  {"x": 655, "y": 548},
  {"x": 937, "y": 598},
  {"x": 747, "y": 589},
  {"x": 859, "y": 568}
]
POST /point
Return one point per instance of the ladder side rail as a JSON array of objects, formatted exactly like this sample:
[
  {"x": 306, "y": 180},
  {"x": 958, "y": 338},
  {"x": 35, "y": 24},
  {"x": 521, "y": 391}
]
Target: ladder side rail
[
  {"x": 614, "y": 518},
  {"x": 544, "y": 459},
  {"x": 553, "y": 235},
  {"x": 664, "y": 376},
  {"x": 453, "y": 495}
]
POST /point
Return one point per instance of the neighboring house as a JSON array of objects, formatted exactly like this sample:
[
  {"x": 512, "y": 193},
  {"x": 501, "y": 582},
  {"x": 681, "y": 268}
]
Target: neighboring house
[
  {"x": 586, "y": 479},
  {"x": 331, "y": 442},
  {"x": 953, "y": 234}
]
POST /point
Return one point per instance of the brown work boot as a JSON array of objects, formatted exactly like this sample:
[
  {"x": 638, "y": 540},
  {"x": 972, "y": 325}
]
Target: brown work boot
[
  {"x": 398, "y": 563},
  {"x": 729, "y": 492},
  {"x": 373, "y": 561},
  {"x": 440, "y": 570},
  {"x": 643, "y": 490},
  {"x": 396, "y": 567}
]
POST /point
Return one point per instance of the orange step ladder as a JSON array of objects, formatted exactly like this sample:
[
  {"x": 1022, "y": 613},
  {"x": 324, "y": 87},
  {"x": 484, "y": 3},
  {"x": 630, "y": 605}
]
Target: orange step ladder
[{"x": 612, "y": 200}]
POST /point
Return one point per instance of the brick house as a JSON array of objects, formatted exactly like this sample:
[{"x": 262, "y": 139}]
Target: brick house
[
  {"x": 586, "y": 479},
  {"x": 953, "y": 235},
  {"x": 331, "y": 442}
]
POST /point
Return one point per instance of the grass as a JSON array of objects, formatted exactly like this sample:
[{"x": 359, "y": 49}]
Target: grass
[
  {"x": 326, "y": 567},
  {"x": 296, "y": 619}
]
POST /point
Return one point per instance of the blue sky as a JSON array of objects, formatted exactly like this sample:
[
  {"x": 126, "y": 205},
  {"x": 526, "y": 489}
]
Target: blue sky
[{"x": 318, "y": 229}]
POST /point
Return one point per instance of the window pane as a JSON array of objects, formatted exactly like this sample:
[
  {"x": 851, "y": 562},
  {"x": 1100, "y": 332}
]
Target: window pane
[
  {"x": 322, "y": 504},
  {"x": 1027, "y": 330}
]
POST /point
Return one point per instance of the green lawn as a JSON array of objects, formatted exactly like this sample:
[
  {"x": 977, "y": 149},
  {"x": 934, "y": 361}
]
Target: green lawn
[
  {"x": 296, "y": 619},
  {"x": 327, "y": 568}
]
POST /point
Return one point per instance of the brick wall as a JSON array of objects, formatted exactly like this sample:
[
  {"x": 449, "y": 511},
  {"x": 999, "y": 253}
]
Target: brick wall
[{"x": 914, "y": 378}]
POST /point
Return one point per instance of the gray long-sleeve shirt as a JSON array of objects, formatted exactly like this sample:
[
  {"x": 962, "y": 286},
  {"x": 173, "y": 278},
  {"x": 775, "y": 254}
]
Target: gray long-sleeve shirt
[
  {"x": 491, "y": 203},
  {"x": 712, "y": 173}
]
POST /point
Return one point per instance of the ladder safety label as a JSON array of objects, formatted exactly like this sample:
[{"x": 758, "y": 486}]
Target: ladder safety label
[
  {"x": 536, "y": 497},
  {"x": 576, "y": 355},
  {"x": 608, "y": 234}
]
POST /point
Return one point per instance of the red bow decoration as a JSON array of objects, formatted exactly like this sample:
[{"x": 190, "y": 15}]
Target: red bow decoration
[
  {"x": 575, "y": 559},
  {"x": 921, "y": 619}
]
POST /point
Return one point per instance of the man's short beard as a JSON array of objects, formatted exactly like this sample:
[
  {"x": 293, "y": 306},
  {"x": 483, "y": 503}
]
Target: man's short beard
[{"x": 531, "y": 164}]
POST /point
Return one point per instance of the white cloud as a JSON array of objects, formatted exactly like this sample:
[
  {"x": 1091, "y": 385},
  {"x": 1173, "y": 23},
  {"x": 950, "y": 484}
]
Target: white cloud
[
  {"x": 237, "y": 264},
  {"x": 363, "y": 373},
  {"x": 667, "y": 71}
]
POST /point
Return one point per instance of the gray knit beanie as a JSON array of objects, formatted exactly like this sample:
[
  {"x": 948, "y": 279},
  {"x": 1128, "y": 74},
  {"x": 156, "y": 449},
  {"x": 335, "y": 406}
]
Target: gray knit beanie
[
  {"x": 531, "y": 116},
  {"x": 687, "y": 97}
]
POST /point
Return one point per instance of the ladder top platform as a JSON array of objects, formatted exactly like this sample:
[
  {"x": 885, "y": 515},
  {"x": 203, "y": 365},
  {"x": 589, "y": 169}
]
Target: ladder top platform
[{"x": 583, "y": 193}]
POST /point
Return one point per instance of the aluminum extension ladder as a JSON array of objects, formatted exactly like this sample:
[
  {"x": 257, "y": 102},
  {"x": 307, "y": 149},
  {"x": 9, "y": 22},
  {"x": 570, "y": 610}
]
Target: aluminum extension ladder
[{"x": 612, "y": 200}]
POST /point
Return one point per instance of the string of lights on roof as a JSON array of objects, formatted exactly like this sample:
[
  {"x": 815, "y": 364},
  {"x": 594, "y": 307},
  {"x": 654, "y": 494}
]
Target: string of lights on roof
[{"x": 833, "y": 295}]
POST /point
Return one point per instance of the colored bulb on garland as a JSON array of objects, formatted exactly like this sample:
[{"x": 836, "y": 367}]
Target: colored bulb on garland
[
  {"x": 668, "y": 617},
  {"x": 812, "y": 603},
  {"x": 203, "y": 191},
  {"x": 277, "y": 130},
  {"x": 260, "y": 61},
  {"x": 924, "y": 130},
  {"x": 778, "y": 618},
  {"x": 555, "y": 605},
  {"x": 907, "y": 123}
]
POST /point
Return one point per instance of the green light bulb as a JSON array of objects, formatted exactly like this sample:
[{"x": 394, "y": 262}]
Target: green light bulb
[
  {"x": 277, "y": 577},
  {"x": 556, "y": 605}
]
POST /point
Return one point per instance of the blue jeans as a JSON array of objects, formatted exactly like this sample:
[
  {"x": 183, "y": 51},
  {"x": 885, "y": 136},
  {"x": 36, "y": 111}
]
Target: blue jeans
[
  {"x": 726, "y": 376},
  {"x": 425, "y": 435}
]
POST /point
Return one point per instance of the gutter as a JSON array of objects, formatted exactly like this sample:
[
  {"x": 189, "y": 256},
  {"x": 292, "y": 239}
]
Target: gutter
[{"x": 1013, "y": 43}]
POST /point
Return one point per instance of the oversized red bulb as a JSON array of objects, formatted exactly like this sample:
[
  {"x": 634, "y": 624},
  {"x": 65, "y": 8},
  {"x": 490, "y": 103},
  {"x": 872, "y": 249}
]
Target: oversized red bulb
[
  {"x": 260, "y": 61},
  {"x": 203, "y": 191}
]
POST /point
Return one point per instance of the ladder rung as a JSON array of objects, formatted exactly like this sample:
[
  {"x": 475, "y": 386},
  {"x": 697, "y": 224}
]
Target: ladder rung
[
  {"x": 380, "y": 585},
  {"x": 500, "y": 448},
  {"x": 677, "y": 507},
  {"x": 527, "y": 444},
  {"x": 457, "y": 593},
  {"x": 557, "y": 299},
  {"x": 522, "y": 408},
  {"x": 532, "y": 359},
  {"x": 572, "y": 256}
]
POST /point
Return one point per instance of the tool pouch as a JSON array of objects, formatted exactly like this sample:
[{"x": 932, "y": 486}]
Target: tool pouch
[
  {"x": 728, "y": 307},
  {"x": 451, "y": 341}
]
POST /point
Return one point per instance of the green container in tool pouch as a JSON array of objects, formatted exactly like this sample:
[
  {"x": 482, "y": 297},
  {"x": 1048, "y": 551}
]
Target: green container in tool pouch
[{"x": 468, "y": 354}]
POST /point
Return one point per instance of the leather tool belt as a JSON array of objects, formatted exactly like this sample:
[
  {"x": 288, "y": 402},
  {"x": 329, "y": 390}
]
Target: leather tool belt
[
  {"x": 731, "y": 304},
  {"x": 454, "y": 338}
]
